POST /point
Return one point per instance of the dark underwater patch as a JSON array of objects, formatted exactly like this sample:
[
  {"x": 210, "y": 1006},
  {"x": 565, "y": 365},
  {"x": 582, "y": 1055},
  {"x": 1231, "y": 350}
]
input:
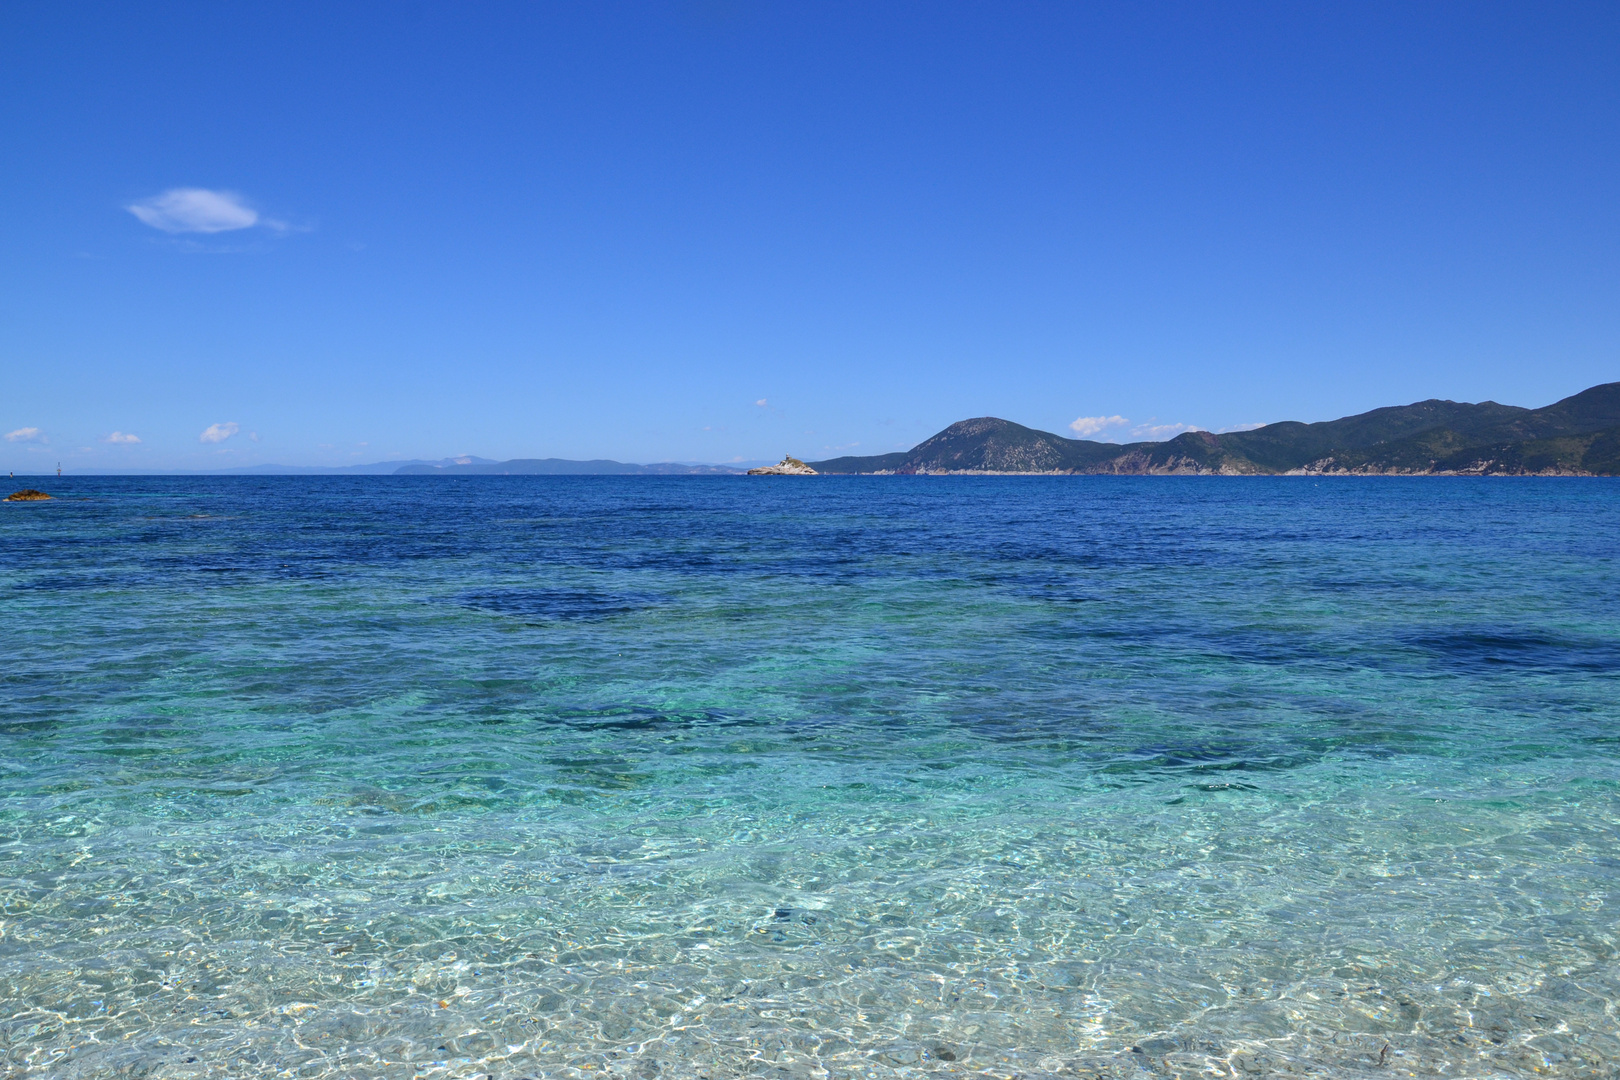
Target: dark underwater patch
[
  {"x": 1205, "y": 765},
  {"x": 71, "y": 582},
  {"x": 642, "y": 718},
  {"x": 1504, "y": 650},
  {"x": 570, "y": 605}
]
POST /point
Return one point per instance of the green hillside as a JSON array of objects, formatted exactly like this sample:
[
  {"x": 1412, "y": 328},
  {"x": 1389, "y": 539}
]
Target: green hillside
[{"x": 1579, "y": 435}]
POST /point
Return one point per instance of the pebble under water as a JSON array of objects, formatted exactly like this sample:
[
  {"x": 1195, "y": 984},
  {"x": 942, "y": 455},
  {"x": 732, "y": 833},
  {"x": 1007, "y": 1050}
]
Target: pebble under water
[{"x": 667, "y": 777}]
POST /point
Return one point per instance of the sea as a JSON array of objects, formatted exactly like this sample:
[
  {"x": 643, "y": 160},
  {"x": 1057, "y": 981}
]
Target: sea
[{"x": 810, "y": 778}]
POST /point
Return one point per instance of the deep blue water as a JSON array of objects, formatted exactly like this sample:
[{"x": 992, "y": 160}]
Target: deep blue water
[{"x": 668, "y": 777}]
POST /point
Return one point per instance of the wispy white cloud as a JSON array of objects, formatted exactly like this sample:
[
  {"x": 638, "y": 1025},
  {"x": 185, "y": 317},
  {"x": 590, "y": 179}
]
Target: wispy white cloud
[
  {"x": 25, "y": 434},
  {"x": 1151, "y": 432},
  {"x": 1239, "y": 427},
  {"x": 1087, "y": 426},
  {"x": 219, "y": 432},
  {"x": 122, "y": 437},
  {"x": 762, "y": 403},
  {"x": 198, "y": 210}
]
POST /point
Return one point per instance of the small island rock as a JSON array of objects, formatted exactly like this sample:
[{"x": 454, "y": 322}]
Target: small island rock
[
  {"x": 790, "y": 466},
  {"x": 26, "y": 495}
]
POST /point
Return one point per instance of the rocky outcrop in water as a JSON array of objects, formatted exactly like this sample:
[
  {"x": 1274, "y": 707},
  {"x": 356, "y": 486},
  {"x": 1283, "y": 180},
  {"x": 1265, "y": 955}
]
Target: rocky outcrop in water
[
  {"x": 26, "y": 495},
  {"x": 790, "y": 466}
]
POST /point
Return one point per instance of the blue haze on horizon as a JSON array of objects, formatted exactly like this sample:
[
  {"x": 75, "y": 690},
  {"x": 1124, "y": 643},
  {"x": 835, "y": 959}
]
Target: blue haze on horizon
[{"x": 717, "y": 231}]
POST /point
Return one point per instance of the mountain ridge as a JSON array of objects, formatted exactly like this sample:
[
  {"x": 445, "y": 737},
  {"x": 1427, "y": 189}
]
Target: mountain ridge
[
  {"x": 564, "y": 467},
  {"x": 464, "y": 465},
  {"x": 1576, "y": 436}
]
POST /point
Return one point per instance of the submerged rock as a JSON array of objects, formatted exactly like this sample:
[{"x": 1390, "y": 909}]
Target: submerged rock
[
  {"x": 26, "y": 495},
  {"x": 790, "y": 466}
]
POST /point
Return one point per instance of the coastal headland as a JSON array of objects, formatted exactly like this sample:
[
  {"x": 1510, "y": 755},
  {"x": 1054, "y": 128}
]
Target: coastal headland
[{"x": 1578, "y": 436}]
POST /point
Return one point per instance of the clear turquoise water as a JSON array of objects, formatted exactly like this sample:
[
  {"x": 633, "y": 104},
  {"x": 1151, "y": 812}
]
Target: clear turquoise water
[{"x": 670, "y": 777}]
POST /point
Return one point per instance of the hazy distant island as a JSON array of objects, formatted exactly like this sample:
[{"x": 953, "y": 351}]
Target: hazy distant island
[
  {"x": 464, "y": 465},
  {"x": 560, "y": 467},
  {"x": 1578, "y": 436}
]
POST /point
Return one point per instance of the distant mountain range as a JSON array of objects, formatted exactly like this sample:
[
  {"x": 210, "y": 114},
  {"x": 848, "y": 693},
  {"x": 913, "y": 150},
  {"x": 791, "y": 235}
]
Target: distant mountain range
[
  {"x": 1578, "y": 436},
  {"x": 560, "y": 467},
  {"x": 376, "y": 468},
  {"x": 477, "y": 466},
  {"x": 465, "y": 465}
]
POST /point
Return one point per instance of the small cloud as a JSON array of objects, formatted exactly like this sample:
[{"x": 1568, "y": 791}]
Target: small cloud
[
  {"x": 362, "y": 444},
  {"x": 1239, "y": 427},
  {"x": 762, "y": 403},
  {"x": 464, "y": 459},
  {"x": 197, "y": 210},
  {"x": 1151, "y": 432},
  {"x": 1087, "y": 426},
  {"x": 122, "y": 437},
  {"x": 219, "y": 432},
  {"x": 25, "y": 434},
  {"x": 254, "y": 435}
]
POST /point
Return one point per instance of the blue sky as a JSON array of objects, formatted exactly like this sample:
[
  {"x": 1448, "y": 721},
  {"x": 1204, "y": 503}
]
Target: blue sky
[{"x": 713, "y": 230}]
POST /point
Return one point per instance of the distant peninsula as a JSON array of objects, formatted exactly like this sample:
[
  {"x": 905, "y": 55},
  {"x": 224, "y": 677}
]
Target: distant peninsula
[{"x": 1578, "y": 436}]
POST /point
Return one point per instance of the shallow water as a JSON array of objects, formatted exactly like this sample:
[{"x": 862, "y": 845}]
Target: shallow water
[{"x": 671, "y": 777}]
